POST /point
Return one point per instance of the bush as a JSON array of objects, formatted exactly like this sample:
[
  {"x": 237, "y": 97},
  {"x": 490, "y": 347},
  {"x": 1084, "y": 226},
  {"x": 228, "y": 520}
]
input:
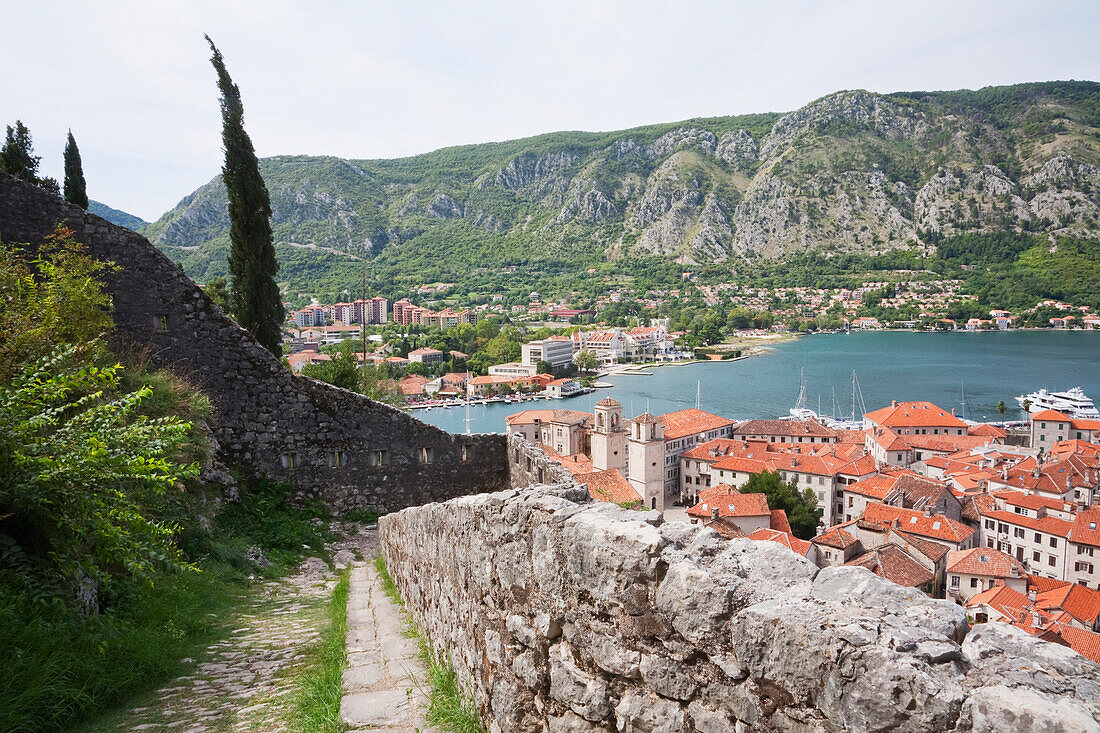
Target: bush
[{"x": 267, "y": 518}]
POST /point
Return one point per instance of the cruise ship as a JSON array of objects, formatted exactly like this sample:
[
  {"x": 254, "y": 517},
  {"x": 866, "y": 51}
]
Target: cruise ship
[{"x": 1072, "y": 402}]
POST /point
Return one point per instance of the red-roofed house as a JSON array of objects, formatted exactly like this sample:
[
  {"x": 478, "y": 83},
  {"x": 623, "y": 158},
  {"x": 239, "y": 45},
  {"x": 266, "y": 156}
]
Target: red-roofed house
[
  {"x": 610, "y": 486},
  {"x": 1050, "y": 426},
  {"x": 969, "y": 572},
  {"x": 915, "y": 418},
  {"x": 1083, "y": 563},
  {"x": 799, "y": 547},
  {"x": 749, "y": 512}
]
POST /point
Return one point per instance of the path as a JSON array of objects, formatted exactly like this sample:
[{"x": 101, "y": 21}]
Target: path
[
  {"x": 243, "y": 681},
  {"x": 384, "y": 683}
]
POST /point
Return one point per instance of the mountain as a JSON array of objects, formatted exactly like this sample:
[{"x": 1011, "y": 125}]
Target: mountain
[
  {"x": 852, "y": 172},
  {"x": 116, "y": 217}
]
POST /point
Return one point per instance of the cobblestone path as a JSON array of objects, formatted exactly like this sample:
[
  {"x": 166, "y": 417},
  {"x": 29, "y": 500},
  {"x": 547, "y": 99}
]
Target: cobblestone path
[{"x": 243, "y": 681}]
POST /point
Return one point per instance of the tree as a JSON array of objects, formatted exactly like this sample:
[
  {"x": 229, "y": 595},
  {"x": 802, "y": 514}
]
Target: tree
[
  {"x": 17, "y": 158},
  {"x": 800, "y": 506},
  {"x": 255, "y": 300},
  {"x": 75, "y": 188},
  {"x": 1001, "y": 407},
  {"x": 586, "y": 361},
  {"x": 218, "y": 290},
  {"x": 544, "y": 367}
]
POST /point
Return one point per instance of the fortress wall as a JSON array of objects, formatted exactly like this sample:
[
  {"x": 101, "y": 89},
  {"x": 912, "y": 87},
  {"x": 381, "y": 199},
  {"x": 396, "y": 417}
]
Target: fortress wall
[
  {"x": 333, "y": 444},
  {"x": 565, "y": 615},
  {"x": 528, "y": 465}
]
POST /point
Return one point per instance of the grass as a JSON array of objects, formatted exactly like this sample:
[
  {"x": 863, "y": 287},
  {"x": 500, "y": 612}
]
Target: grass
[
  {"x": 449, "y": 708},
  {"x": 316, "y": 706}
]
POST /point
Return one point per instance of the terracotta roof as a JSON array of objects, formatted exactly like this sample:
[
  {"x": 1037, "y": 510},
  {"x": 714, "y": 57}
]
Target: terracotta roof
[
  {"x": 792, "y": 428},
  {"x": 609, "y": 402},
  {"x": 528, "y": 417},
  {"x": 987, "y": 430},
  {"x": 646, "y": 419},
  {"x": 893, "y": 563},
  {"x": 984, "y": 561},
  {"x": 934, "y": 551},
  {"x": 880, "y": 487},
  {"x": 835, "y": 537},
  {"x": 730, "y": 503},
  {"x": 936, "y": 526},
  {"x": 1084, "y": 642},
  {"x": 779, "y": 521},
  {"x": 609, "y": 486},
  {"x": 976, "y": 505},
  {"x": 691, "y": 421},
  {"x": 1007, "y": 601},
  {"x": 1086, "y": 527},
  {"x": 1078, "y": 601},
  {"x": 1051, "y": 415},
  {"x": 1050, "y": 525},
  {"x": 1032, "y": 501},
  {"x": 800, "y": 547},
  {"x": 724, "y": 526},
  {"x": 914, "y": 415}
]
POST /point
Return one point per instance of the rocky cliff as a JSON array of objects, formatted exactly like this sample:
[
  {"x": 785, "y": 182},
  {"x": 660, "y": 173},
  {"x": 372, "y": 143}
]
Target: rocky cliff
[
  {"x": 569, "y": 616},
  {"x": 851, "y": 172}
]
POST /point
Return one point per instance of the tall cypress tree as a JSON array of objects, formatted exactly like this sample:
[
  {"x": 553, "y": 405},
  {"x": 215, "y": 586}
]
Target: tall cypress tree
[
  {"x": 255, "y": 299},
  {"x": 75, "y": 189},
  {"x": 17, "y": 158}
]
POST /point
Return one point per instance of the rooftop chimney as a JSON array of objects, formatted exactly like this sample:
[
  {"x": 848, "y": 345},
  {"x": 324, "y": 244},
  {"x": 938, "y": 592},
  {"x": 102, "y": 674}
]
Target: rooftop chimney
[
  {"x": 893, "y": 403},
  {"x": 714, "y": 512},
  {"x": 1031, "y": 595}
]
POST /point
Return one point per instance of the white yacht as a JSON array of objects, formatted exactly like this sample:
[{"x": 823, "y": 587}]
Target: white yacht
[{"x": 1072, "y": 402}]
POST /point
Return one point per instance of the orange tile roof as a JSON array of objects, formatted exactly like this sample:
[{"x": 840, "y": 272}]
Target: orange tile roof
[
  {"x": 1086, "y": 527},
  {"x": 791, "y": 428},
  {"x": 1084, "y": 642},
  {"x": 914, "y": 415},
  {"x": 528, "y": 417},
  {"x": 984, "y": 561},
  {"x": 835, "y": 537},
  {"x": 1078, "y": 601},
  {"x": 800, "y": 547},
  {"x": 985, "y": 429},
  {"x": 1032, "y": 501},
  {"x": 779, "y": 521},
  {"x": 1050, "y": 525},
  {"x": 893, "y": 563},
  {"x": 610, "y": 486},
  {"x": 1007, "y": 601},
  {"x": 936, "y": 526},
  {"x": 880, "y": 487},
  {"x": 1051, "y": 415},
  {"x": 730, "y": 503},
  {"x": 691, "y": 421}
]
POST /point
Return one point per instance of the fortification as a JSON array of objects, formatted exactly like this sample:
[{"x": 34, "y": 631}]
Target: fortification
[
  {"x": 339, "y": 446},
  {"x": 568, "y": 615}
]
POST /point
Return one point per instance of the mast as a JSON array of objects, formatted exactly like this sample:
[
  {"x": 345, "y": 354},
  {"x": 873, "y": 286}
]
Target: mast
[
  {"x": 698, "y": 394},
  {"x": 467, "y": 417}
]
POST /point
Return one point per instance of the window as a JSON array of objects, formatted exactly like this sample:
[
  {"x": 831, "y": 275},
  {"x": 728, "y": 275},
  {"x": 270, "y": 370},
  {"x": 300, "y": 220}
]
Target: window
[
  {"x": 973, "y": 582},
  {"x": 1083, "y": 567},
  {"x": 465, "y": 453},
  {"x": 378, "y": 457},
  {"x": 1019, "y": 533},
  {"x": 1052, "y": 561},
  {"x": 1038, "y": 538},
  {"x": 289, "y": 460},
  {"x": 1053, "y": 541},
  {"x": 337, "y": 458},
  {"x": 954, "y": 581},
  {"x": 160, "y": 322},
  {"x": 1037, "y": 557},
  {"x": 989, "y": 524},
  {"x": 1002, "y": 528}
]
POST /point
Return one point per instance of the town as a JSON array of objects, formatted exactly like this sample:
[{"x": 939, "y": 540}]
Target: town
[
  {"x": 432, "y": 357},
  {"x": 1003, "y": 522}
]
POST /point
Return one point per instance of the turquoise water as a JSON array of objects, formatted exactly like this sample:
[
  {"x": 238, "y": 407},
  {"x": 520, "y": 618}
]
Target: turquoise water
[{"x": 940, "y": 367}]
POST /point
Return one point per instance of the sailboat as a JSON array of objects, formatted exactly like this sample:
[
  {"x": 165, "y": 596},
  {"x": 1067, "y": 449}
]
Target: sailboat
[
  {"x": 854, "y": 420},
  {"x": 800, "y": 411}
]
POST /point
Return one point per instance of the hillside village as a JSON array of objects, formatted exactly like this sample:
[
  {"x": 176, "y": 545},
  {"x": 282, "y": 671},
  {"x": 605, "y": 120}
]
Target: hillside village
[{"x": 1005, "y": 524}]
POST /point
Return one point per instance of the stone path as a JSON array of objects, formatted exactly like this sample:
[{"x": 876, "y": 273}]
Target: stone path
[
  {"x": 244, "y": 681},
  {"x": 384, "y": 684}
]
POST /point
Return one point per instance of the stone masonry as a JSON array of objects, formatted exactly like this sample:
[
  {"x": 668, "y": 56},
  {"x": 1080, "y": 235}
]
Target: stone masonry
[
  {"x": 566, "y": 615},
  {"x": 339, "y": 446}
]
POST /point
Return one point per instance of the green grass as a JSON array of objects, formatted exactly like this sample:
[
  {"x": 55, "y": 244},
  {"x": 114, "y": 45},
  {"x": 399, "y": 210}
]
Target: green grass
[
  {"x": 316, "y": 707},
  {"x": 449, "y": 708}
]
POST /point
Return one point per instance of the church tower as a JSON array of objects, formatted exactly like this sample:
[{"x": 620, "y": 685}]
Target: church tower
[
  {"x": 609, "y": 436},
  {"x": 646, "y": 459}
]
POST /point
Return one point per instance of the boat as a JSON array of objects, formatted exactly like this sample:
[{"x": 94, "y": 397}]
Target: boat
[
  {"x": 854, "y": 420},
  {"x": 800, "y": 411},
  {"x": 1072, "y": 402}
]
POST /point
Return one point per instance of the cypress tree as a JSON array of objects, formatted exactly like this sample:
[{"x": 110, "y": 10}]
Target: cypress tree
[
  {"x": 255, "y": 299},
  {"x": 17, "y": 158},
  {"x": 75, "y": 189}
]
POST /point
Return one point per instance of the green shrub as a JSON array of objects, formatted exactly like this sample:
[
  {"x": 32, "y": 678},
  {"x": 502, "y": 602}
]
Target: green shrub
[{"x": 267, "y": 517}]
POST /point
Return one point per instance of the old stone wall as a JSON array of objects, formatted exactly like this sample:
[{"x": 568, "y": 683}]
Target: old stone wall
[
  {"x": 528, "y": 465},
  {"x": 566, "y": 615},
  {"x": 342, "y": 447}
]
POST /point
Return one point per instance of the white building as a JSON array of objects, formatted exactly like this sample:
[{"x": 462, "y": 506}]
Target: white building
[{"x": 556, "y": 350}]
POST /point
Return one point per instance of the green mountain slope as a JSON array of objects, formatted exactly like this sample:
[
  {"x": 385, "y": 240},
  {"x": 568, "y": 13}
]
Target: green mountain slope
[
  {"x": 854, "y": 173},
  {"x": 115, "y": 216}
]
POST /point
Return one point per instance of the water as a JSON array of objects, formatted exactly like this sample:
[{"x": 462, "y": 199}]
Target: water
[{"x": 939, "y": 367}]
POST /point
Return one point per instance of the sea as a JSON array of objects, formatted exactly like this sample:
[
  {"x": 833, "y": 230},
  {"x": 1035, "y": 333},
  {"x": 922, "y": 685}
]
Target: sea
[{"x": 969, "y": 372}]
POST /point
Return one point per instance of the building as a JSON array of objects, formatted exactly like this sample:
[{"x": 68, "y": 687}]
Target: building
[
  {"x": 683, "y": 430},
  {"x": 748, "y": 512},
  {"x": 426, "y": 356},
  {"x": 1050, "y": 426},
  {"x": 608, "y": 436},
  {"x": 646, "y": 459},
  {"x": 564, "y": 387},
  {"x": 557, "y": 351},
  {"x": 915, "y": 418},
  {"x": 564, "y": 431},
  {"x": 513, "y": 369},
  {"x": 786, "y": 431},
  {"x": 1083, "y": 563},
  {"x": 969, "y": 572}
]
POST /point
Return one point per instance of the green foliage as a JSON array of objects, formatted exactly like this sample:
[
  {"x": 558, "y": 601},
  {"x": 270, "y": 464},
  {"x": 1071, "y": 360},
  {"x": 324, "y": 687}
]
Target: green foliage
[
  {"x": 218, "y": 290},
  {"x": 316, "y": 705},
  {"x": 801, "y": 506},
  {"x": 268, "y": 517},
  {"x": 449, "y": 707},
  {"x": 389, "y": 587},
  {"x": 75, "y": 188},
  {"x": 257, "y": 304},
  {"x": 17, "y": 158}
]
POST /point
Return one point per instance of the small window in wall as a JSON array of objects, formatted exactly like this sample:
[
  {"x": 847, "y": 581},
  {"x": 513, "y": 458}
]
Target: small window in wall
[
  {"x": 378, "y": 457},
  {"x": 289, "y": 460},
  {"x": 337, "y": 458},
  {"x": 466, "y": 452},
  {"x": 425, "y": 455},
  {"x": 160, "y": 322}
]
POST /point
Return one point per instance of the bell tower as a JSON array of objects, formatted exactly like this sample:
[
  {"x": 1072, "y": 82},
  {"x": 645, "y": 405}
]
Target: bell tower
[
  {"x": 608, "y": 436},
  {"x": 646, "y": 459}
]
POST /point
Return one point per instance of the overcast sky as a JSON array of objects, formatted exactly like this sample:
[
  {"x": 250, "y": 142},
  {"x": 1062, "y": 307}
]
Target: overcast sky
[{"x": 384, "y": 79}]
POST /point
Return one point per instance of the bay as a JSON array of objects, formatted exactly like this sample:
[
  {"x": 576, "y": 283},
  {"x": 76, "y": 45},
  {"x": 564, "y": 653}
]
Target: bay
[{"x": 945, "y": 368}]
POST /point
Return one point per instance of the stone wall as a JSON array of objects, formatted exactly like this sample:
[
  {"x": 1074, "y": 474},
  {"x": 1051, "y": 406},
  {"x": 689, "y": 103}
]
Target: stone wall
[
  {"x": 565, "y": 615},
  {"x": 528, "y": 465},
  {"x": 342, "y": 447}
]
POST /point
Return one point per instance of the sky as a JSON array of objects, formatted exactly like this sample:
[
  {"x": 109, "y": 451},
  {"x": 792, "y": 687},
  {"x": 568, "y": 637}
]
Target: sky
[{"x": 366, "y": 79}]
